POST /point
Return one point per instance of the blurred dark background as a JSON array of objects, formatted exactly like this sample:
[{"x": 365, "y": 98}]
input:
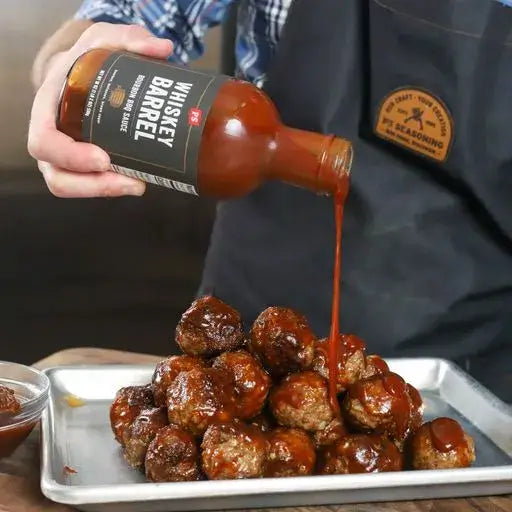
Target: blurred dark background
[{"x": 113, "y": 273}]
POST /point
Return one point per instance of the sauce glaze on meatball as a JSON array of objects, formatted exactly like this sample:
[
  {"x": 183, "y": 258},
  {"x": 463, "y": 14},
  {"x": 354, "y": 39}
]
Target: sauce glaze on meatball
[
  {"x": 233, "y": 451},
  {"x": 251, "y": 382},
  {"x": 167, "y": 370},
  {"x": 290, "y": 453},
  {"x": 360, "y": 453},
  {"x": 302, "y": 401},
  {"x": 200, "y": 397},
  {"x": 127, "y": 405},
  {"x": 330, "y": 434},
  {"x": 375, "y": 365},
  {"x": 379, "y": 404},
  {"x": 283, "y": 341},
  {"x": 209, "y": 327},
  {"x": 172, "y": 456},
  {"x": 441, "y": 444},
  {"x": 351, "y": 362},
  {"x": 416, "y": 404},
  {"x": 140, "y": 433}
]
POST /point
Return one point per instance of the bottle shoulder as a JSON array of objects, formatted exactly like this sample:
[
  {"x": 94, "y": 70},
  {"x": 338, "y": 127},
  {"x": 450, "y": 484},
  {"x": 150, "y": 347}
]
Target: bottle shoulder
[{"x": 246, "y": 102}]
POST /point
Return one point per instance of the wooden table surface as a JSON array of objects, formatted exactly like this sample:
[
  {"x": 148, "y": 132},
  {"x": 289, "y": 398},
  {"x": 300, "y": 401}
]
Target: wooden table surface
[{"x": 19, "y": 474}]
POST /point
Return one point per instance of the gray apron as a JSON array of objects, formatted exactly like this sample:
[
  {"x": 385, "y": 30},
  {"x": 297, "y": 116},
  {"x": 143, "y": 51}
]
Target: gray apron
[{"x": 422, "y": 87}]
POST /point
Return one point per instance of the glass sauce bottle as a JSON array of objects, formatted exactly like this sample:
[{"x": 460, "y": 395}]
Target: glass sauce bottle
[{"x": 228, "y": 138}]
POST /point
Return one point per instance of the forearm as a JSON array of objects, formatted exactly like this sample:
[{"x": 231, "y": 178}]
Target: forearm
[{"x": 63, "y": 39}]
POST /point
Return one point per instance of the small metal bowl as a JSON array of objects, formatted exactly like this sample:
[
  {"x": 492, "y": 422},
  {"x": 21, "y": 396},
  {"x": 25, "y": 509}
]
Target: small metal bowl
[{"x": 31, "y": 388}]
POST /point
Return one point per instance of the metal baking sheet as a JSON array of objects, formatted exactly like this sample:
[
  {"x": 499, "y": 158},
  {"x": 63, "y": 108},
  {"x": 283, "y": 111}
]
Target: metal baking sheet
[{"x": 80, "y": 438}]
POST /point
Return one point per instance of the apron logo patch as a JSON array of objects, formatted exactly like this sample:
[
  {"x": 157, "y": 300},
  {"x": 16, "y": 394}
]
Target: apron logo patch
[{"x": 418, "y": 121}]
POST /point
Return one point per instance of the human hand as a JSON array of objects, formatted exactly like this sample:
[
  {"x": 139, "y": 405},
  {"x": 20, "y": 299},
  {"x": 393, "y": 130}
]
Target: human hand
[{"x": 80, "y": 169}]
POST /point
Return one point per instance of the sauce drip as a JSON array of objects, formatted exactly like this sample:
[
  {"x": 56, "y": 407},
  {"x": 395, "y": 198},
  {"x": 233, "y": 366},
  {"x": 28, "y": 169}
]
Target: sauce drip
[
  {"x": 380, "y": 366},
  {"x": 353, "y": 343},
  {"x": 387, "y": 399},
  {"x": 415, "y": 396},
  {"x": 350, "y": 358},
  {"x": 394, "y": 385},
  {"x": 446, "y": 434},
  {"x": 334, "y": 337}
]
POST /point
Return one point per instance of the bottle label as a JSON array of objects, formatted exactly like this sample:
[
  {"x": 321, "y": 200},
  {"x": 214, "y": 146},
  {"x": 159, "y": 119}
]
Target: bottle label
[{"x": 149, "y": 116}]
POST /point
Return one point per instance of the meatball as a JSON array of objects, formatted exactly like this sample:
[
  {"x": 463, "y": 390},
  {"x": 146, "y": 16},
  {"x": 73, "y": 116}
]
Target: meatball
[
  {"x": 290, "y": 453},
  {"x": 416, "y": 405},
  {"x": 209, "y": 327},
  {"x": 167, "y": 370},
  {"x": 441, "y": 444},
  {"x": 140, "y": 433},
  {"x": 200, "y": 397},
  {"x": 251, "y": 382},
  {"x": 9, "y": 404},
  {"x": 381, "y": 404},
  {"x": 233, "y": 451},
  {"x": 172, "y": 456},
  {"x": 127, "y": 405},
  {"x": 330, "y": 434},
  {"x": 351, "y": 362},
  {"x": 302, "y": 401},
  {"x": 360, "y": 453},
  {"x": 375, "y": 365},
  {"x": 283, "y": 341}
]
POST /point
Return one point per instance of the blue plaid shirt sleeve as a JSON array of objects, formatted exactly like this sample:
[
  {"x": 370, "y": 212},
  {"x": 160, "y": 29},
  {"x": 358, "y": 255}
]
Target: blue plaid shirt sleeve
[
  {"x": 184, "y": 22},
  {"x": 259, "y": 26}
]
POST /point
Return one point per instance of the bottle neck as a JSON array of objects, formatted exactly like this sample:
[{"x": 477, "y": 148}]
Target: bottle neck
[{"x": 320, "y": 163}]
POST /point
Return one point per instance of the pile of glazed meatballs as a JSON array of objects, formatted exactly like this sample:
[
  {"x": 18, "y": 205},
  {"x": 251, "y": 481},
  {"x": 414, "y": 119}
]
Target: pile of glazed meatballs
[{"x": 236, "y": 406}]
